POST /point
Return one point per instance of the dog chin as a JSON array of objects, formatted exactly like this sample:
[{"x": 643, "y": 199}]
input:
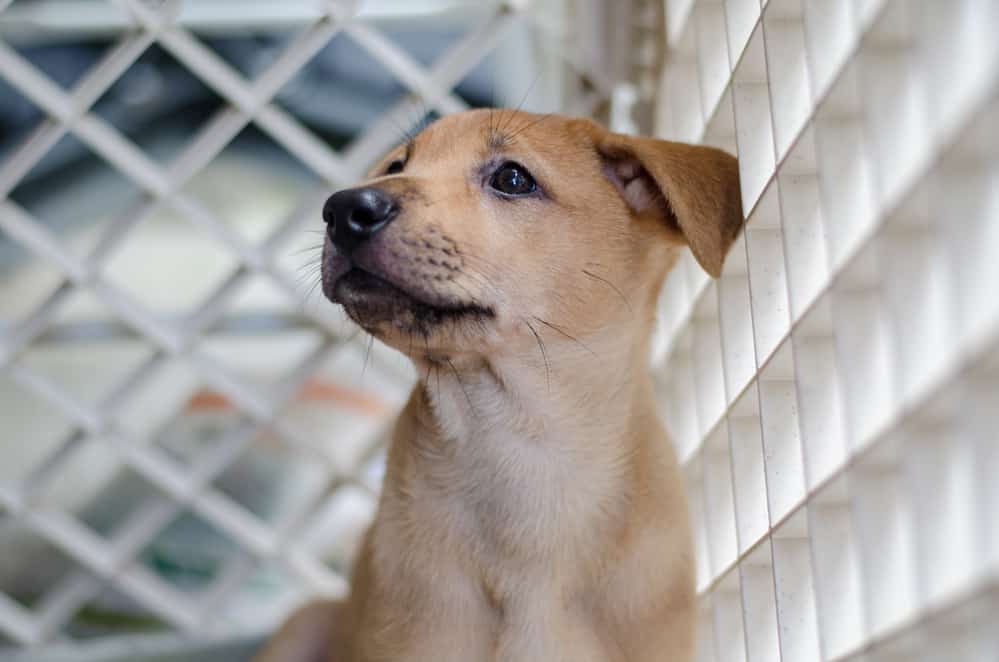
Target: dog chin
[{"x": 381, "y": 307}]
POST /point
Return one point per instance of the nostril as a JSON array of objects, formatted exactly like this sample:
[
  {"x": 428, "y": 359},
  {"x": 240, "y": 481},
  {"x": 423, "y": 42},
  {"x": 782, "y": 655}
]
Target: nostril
[
  {"x": 364, "y": 217},
  {"x": 329, "y": 214}
]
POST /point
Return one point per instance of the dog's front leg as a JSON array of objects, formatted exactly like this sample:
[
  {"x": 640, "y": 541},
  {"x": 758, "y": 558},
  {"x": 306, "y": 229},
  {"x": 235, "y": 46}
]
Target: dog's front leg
[{"x": 319, "y": 631}]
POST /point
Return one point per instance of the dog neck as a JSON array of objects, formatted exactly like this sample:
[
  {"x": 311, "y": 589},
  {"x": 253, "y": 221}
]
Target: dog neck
[
  {"x": 532, "y": 443},
  {"x": 566, "y": 394}
]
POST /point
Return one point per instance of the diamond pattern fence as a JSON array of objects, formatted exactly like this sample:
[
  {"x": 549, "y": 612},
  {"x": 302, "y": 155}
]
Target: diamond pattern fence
[{"x": 107, "y": 561}]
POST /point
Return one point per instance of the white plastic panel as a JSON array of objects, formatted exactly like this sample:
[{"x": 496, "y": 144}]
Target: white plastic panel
[{"x": 858, "y": 329}]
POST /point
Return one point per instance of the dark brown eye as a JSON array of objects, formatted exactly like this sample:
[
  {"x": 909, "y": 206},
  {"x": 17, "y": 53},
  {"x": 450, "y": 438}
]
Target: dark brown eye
[
  {"x": 395, "y": 167},
  {"x": 513, "y": 179}
]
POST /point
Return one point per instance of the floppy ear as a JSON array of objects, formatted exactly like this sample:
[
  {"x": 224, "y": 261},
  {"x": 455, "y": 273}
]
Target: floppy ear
[{"x": 695, "y": 189}]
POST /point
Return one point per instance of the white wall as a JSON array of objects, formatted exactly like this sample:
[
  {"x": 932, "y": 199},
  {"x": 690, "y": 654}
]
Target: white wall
[{"x": 834, "y": 395}]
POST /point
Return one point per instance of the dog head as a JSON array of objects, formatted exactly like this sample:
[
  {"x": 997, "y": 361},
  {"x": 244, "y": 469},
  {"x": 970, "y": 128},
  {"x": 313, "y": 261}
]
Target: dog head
[{"x": 492, "y": 227}]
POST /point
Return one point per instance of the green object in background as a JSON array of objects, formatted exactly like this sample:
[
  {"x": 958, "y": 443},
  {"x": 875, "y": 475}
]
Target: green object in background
[{"x": 145, "y": 648}]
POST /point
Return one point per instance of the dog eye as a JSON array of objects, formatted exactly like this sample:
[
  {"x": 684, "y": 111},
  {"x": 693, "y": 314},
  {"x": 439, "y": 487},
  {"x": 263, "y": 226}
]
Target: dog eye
[
  {"x": 513, "y": 179},
  {"x": 395, "y": 167}
]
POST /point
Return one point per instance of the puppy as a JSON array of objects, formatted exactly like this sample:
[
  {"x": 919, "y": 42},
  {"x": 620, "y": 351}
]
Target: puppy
[{"x": 532, "y": 510}]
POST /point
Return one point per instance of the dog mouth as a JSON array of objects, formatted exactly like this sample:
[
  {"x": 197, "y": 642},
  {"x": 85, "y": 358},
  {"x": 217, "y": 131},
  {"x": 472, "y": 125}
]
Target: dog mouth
[{"x": 371, "y": 300}]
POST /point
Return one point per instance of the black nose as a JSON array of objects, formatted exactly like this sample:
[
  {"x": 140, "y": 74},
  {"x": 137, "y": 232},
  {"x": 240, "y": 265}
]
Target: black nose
[{"x": 356, "y": 214}]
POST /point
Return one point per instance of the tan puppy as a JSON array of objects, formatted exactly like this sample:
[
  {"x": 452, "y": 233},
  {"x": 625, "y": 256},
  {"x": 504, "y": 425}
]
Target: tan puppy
[{"x": 532, "y": 510}]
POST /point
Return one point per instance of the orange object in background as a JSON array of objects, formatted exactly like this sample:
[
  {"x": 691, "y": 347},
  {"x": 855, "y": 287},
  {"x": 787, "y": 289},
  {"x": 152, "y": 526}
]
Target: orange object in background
[{"x": 314, "y": 390}]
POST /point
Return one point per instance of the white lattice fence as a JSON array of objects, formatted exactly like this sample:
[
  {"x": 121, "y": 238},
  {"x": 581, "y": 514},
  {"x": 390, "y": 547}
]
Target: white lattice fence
[
  {"x": 112, "y": 559},
  {"x": 835, "y": 395}
]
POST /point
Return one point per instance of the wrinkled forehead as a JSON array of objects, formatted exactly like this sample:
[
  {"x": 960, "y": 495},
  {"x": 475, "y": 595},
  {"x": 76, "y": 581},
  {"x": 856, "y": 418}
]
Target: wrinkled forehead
[
  {"x": 548, "y": 140},
  {"x": 480, "y": 134}
]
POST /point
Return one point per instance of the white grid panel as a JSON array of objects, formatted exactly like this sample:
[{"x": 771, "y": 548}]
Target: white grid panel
[
  {"x": 835, "y": 394},
  {"x": 99, "y": 561}
]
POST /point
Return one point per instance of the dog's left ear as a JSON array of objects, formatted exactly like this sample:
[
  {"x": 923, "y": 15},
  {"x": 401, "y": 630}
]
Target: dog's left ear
[{"x": 694, "y": 189}]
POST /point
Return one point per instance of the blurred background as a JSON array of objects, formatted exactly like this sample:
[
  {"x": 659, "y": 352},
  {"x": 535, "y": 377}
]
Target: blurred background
[{"x": 190, "y": 435}]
